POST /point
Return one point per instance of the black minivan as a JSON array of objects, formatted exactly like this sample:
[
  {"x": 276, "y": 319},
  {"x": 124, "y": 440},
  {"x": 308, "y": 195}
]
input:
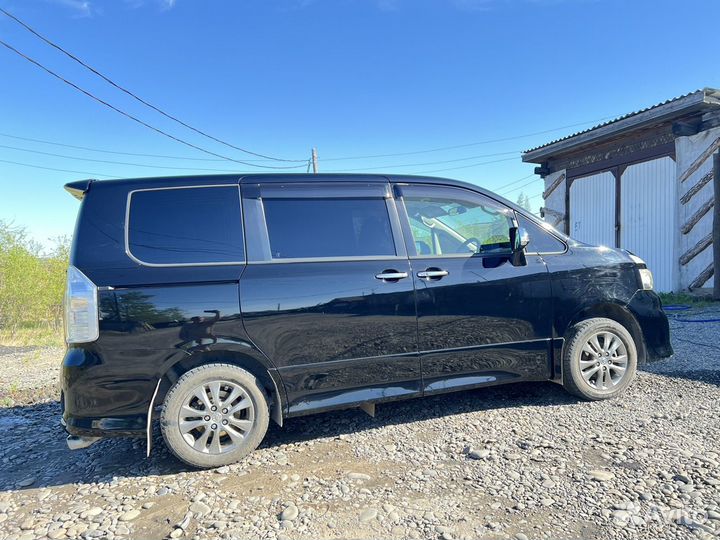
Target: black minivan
[{"x": 215, "y": 303}]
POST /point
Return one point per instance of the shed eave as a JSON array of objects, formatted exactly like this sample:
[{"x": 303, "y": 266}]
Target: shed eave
[{"x": 693, "y": 103}]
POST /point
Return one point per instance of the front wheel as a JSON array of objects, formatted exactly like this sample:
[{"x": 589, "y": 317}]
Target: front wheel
[
  {"x": 215, "y": 414},
  {"x": 599, "y": 360}
]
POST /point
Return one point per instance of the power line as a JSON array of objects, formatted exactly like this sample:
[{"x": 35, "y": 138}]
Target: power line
[
  {"x": 165, "y": 156},
  {"x": 114, "y": 162},
  {"x": 517, "y": 181},
  {"x": 520, "y": 187},
  {"x": 90, "y": 149},
  {"x": 203, "y": 133},
  {"x": 134, "y": 118},
  {"x": 54, "y": 169},
  {"x": 467, "y": 166},
  {"x": 523, "y": 186},
  {"x": 487, "y": 141},
  {"x": 428, "y": 162},
  {"x": 141, "y": 100}
]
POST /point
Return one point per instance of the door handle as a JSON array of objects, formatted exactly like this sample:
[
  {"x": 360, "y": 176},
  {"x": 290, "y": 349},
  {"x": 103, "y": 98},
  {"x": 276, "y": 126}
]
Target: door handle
[
  {"x": 433, "y": 274},
  {"x": 391, "y": 275}
]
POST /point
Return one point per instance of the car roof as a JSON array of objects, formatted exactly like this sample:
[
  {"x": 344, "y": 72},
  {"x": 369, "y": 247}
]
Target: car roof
[{"x": 80, "y": 187}]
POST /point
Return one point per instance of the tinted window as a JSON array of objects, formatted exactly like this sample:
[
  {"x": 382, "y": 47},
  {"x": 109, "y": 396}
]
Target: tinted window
[
  {"x": 301, "y": 228},
  {"x": 181, "y": 226},
  {"x": 541, "y": 241},
  {"x": 455, "y": 222}
]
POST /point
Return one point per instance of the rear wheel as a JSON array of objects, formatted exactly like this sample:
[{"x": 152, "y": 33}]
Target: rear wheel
[
  {"x": 214, "y": 415},
  {"x": 600, "y": 359}
]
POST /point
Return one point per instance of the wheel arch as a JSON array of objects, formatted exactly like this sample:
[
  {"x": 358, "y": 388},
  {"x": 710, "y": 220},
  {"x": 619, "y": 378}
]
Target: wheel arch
[
  {"x": 617, "y": 313},
  {"x": 269, "y": 379}
]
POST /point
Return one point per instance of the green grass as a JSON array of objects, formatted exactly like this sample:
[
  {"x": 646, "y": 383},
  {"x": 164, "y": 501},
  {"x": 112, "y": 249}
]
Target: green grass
[
  {"x": 38, "y": 335},
  {"x": 693, "y": 300}
]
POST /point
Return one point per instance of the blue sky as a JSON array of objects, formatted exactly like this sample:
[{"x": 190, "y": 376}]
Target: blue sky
[{"x": 351, "y": 77}]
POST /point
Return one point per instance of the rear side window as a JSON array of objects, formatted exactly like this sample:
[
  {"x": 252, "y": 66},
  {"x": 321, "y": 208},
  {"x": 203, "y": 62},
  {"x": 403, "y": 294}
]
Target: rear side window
[
  {"x": 316, "y": 227},
  {"x": 177, "y": 226}
]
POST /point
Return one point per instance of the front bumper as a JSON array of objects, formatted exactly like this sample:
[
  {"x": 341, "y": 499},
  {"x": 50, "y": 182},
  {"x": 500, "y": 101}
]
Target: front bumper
[{"x": 647, "y": 309}]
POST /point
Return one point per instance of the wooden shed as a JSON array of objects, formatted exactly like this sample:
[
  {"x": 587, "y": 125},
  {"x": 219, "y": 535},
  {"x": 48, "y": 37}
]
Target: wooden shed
[{"x": 642, "y": 182}]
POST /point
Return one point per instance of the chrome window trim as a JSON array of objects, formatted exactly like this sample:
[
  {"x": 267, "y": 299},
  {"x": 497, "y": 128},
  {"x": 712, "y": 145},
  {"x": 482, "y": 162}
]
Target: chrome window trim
[
  {"x": 467, "y": 255},
  {"x": 178, "y": 265},
  {"x": 540, "y": 253}
]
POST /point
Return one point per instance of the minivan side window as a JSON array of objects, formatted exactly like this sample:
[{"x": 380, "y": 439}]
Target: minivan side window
[
  {"x": 185, "y": 226},
  {"x": 328, "y": 227},
  {"x": 456, "y": 222},
  {"x": 541, "y": 241}
]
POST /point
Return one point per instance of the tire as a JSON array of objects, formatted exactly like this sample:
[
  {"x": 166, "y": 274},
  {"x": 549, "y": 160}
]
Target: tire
[
  {"x": 212, "y": 438},
  {"x": 589, "y": 371}
]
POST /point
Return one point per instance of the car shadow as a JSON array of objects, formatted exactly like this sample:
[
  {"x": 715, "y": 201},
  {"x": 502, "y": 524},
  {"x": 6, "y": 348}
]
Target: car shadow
[
  {"x": 336, "y": 423},
  {"x": 36, "y": 455}
]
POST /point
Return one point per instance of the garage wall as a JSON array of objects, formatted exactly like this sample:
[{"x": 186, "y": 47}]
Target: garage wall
[
  {"x": 648, "y": 218},
  {"x": 553, "y": 210},
  {"x": 592, "y": 209},
  {"x": 689, "y": 151}
]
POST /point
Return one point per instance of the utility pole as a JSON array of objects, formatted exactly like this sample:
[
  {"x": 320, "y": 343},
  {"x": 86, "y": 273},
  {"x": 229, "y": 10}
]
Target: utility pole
[{"x": 314, "y": 160}]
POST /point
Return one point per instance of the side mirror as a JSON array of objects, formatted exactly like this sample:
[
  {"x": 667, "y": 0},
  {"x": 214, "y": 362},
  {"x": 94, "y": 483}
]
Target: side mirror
[
  {"x": 524, "y": 238},
  {"x": 519, "y": 239}
]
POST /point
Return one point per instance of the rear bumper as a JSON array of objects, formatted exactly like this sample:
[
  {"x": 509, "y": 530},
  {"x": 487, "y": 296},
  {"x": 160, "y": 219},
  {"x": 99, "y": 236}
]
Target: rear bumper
[
  {"x": 647, "y": 309},
  {"x": 104, "y": 426},
  {"x": 99, "y": 401}
]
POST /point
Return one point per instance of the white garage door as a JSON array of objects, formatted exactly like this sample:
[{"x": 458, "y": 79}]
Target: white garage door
[
  {"x": 592, "y": 209},
  {"x": 647, "y": 213}
]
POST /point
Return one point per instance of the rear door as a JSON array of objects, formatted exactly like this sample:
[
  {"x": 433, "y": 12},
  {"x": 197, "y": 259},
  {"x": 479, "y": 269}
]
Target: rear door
[
  {"x": 327, "y": 294},
  {"x": 481, "y": 320}
]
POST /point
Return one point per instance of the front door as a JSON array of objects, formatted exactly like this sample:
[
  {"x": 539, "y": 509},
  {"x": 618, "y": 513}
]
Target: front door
[
  {"x": 481, "y": 320},
  {"x": 328, "y": 294}
]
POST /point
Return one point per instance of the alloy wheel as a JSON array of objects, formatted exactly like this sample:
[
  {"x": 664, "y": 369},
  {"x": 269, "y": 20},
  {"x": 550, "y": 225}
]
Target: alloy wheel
[
  {"x": 216, "y": 417},
  {"x": 603, "y": 361}
]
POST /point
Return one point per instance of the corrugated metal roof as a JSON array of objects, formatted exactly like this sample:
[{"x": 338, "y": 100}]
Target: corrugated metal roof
[{"x": 705, "y": 95}]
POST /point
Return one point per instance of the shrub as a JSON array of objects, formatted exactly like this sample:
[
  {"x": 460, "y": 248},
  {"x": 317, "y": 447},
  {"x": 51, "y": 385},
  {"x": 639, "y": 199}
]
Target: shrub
[{"x": 32, "y": 284}]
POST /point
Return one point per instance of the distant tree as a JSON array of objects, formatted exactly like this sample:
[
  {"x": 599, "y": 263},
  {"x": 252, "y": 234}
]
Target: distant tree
[{"x": 523, "y": 201}]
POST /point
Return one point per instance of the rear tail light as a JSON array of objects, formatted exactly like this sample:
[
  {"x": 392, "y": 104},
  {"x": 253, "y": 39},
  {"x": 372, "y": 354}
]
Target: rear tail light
[{"x": 81, "y": 308}]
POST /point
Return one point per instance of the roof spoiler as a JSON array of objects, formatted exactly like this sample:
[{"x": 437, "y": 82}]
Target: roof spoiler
[{"x": 79, "y": 189}]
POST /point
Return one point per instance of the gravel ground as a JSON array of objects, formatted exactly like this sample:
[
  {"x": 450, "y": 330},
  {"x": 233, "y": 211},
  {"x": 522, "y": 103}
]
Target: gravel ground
[
  {"x": 518, "y": 462},
  {"x": 28, "y": 375}
]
